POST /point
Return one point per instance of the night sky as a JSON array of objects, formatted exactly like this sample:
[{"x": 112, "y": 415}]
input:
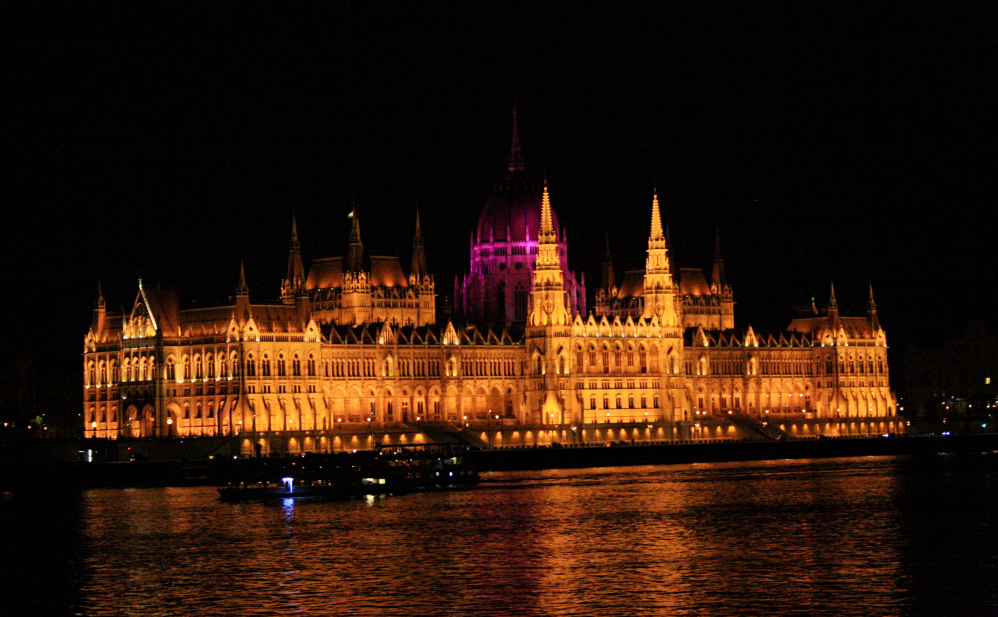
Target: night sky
[{"x": 847, "y": 144}]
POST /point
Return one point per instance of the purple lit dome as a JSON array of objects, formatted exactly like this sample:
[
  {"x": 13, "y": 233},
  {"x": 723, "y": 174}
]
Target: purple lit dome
[{"x": 513, "y": 211}]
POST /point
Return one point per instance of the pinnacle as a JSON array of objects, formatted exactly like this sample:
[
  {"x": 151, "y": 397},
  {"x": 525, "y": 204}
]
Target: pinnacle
[
  {"x": 547, "y": 225},
  {"x": 515, "y": 154},
  {"x": 242, "y": 289},
  {"x": 656, "y": 218}
]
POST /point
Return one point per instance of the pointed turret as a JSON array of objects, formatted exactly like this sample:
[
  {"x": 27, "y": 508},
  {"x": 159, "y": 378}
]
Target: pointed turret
[
  {"x": 242, "y": 289},
  {"x": 656, "y": 220},
  {"x": 871, "y": 311},
  {"x": 720, "y": 280},
  {"x": 547, "y": 234},
  {"x": 418, "y": 254},
  {"x": 294, "y": 282},
  {"x": 241, "y": 311},
  {"x": 515, "y": 155},
  {"x": 609, "y": 280},
  {"x": 833, "y": 305},
  {"x": 659, "y": 293},
  {"x": 100, "y": 313},
  {"x": 548, "y": 295},
  {"x": 355, "y": 254}
]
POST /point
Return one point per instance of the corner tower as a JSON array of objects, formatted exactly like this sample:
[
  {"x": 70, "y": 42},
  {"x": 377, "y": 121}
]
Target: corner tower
[{"x": 659, "y": 291}]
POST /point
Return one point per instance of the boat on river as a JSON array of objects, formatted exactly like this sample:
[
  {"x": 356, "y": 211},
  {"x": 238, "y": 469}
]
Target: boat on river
[{"x": 388, "y": 470}]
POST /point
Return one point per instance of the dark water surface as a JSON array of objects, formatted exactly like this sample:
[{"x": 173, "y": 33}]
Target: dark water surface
[{"x": 864, "y": 536}]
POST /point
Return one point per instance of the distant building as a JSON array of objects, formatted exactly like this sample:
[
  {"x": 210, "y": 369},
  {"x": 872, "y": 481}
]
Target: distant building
[
  {"x": 960, "y": 378},
  {"x": 355, "y": 343}
]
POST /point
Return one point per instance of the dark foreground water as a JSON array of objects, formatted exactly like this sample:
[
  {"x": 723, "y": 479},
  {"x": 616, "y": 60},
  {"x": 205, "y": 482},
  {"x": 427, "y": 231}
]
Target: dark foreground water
[{"x": 868, "y": 536}]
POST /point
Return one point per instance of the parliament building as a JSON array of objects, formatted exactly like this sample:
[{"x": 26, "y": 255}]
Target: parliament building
[{"x": 355, "y": 343}]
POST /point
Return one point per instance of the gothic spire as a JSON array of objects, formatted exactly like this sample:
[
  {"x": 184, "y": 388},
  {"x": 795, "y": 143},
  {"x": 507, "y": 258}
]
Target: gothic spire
[
  {"x": 355, "y": 254},
  {"x": 515, "y": 155},
  {"x": 100, "y": 297},
  {"x": 656, "y": 218},
  {"x": 547, "y": 224},
  {"x": 833, "y": 305},
  {"x": 418, "y": 254},
  {"x": 242, "y": 289},
  {"x": 719, "y": 278},
  {"x": 609, "y": 279},
  {"x": 871, "y": 311},
  {"x": 295, "y": 280}
]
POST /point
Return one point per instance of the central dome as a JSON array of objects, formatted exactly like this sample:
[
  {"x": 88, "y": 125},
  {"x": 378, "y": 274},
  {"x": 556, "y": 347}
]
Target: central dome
[{"x": 513, "y": 212}]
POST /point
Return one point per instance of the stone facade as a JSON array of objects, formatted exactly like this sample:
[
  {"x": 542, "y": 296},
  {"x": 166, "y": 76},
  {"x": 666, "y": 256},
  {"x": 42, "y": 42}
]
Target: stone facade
[{"x": 355, "y": 344}]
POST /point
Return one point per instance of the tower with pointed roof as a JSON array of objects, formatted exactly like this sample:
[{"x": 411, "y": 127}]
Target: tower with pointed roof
[
  {"x": 292, "y": 284},
  {"x": 721, "y": 288},
  {"x": 549, "y": 324},
  {"x": 659, "y": 293},
  {"x": 871, "y": 311}
]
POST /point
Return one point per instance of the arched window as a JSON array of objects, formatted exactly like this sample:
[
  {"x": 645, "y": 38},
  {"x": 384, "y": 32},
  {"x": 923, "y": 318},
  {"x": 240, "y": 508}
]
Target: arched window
[
  {"x": 654, "y": 402},
  {"x": 265, "y": 366},
  {"x": 187, "y": 368},
  {"x": 619, "y": 406},
  {"x": 169, "y": 370},
  {"x": 311, "y": 366},
  {"x": 250, "y": 366},
  {"x": 210, "y": 362},
  {"x": 198, "y": 374},
  {"x": 606, "y": 402},
  {"x": 91, "y": 374},
  {"x": 281, "y": 366},
  {"x": 630, "y": 401},
  {"x": 644, "y": 401},
  {"x": 592, "y": 402},
  {"x": 540, "y": 365},
  {"x": 211, "y": 410},
  {"x": 296, "y": 366}
]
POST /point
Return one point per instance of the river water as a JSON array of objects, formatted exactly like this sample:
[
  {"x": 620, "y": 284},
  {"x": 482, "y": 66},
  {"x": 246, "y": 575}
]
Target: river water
[{"x": 863, "y": 536}]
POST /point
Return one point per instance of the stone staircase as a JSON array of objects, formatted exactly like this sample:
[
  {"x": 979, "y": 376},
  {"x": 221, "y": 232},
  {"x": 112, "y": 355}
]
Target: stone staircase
[
  {"x": 447, "y": 432},
  {"x": 752, "y": 424}
]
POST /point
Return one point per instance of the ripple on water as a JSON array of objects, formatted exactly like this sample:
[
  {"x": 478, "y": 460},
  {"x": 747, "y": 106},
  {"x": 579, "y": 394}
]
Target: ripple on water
[{"x": 846, "y": 537}]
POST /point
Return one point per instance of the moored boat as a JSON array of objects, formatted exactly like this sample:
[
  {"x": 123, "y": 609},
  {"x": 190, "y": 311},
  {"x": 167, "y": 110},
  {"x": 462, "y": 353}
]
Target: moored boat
[{"x": 388, "y": 470}]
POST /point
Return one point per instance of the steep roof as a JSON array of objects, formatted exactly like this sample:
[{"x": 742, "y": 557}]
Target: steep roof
[
  {"x": 387, "y": 272},
  {"x": 325, "y": 273},
  {"x": 633, "y": 285},
  {"x": 693, "y": 283}
]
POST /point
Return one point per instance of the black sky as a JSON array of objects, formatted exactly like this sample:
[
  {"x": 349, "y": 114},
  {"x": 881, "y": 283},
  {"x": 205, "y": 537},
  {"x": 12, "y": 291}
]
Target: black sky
[{"x": 853, "y": 144}]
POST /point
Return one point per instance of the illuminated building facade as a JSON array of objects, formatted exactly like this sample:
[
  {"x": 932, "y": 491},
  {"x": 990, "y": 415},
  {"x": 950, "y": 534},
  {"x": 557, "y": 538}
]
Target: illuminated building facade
[{"x": 354, "y": 344}]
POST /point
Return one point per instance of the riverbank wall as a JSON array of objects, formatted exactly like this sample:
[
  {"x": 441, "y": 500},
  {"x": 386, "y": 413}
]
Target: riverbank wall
[{"x": 219, "y": 471}]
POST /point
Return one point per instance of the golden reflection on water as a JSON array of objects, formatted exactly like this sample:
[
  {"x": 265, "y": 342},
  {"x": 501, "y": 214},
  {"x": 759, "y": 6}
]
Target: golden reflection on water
[{"x": 742, "y": 538}]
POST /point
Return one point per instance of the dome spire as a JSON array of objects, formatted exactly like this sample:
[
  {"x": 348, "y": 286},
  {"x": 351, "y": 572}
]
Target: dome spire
[{"x": 515, "y": 155}]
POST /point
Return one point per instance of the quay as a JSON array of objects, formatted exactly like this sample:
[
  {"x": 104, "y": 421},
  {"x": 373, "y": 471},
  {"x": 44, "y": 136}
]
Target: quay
[{"x": 47, "y": 464}]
